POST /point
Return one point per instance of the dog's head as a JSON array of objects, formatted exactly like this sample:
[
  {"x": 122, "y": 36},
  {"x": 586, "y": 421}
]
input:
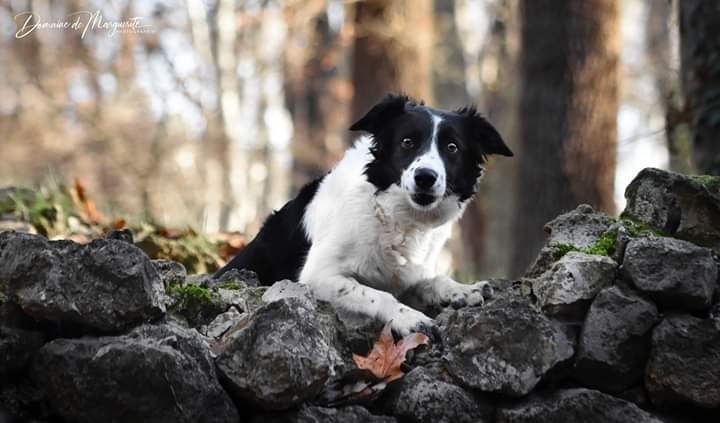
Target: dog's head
[{"x": 433, "y": 156}]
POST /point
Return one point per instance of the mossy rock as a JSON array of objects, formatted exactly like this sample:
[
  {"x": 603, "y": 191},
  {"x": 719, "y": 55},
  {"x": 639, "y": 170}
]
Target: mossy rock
[
  {"x": 197, "y": 304},
  {"x": 596, "y": 233},
  {"x": 681, "y": 206},
  {"x": 709, "y": 182}
]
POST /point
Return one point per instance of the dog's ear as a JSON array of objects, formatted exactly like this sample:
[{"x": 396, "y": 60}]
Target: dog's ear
[
  {"x": 482, "y": 131},
  {"x": 387, "y": 108}
]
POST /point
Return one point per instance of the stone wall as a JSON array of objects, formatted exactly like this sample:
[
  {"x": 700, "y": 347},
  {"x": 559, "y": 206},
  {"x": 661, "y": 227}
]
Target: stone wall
[{"x": 618, "y": 320}]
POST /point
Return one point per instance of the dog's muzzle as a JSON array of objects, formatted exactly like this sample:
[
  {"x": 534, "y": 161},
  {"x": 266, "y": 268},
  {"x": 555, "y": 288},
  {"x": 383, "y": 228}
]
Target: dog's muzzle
[{"x": 425, "y": 180}]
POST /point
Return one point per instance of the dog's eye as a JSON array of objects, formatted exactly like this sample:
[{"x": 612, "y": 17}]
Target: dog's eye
[
  {"x": 407, "y": 143},
  {"x": 452, "y": 147}
]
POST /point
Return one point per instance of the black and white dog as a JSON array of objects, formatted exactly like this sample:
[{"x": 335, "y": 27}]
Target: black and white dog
[{"x": 372, "y": 229}]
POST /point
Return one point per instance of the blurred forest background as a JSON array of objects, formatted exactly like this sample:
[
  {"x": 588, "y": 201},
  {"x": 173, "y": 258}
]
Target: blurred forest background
[{"x": 222, "y": 110}]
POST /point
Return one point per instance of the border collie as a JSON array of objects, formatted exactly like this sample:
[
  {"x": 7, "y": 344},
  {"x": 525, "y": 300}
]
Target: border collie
[{"x": 370, "y": 231}]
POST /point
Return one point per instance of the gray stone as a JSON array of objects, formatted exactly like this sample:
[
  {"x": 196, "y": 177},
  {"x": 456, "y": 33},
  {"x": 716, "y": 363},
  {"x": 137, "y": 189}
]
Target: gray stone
[
  {"x": 580, "y": 228},
  {"x": 107, "y": 285},
  {"x": 360, "y": 330},
  {"x": 245, "y": 298},
  {"x": 171, "y": 272},
  {"x": 287, "y": 289},
  {"x": 682, "y": 206},
  {"x": 674, "y": 273},
  {"x": 124, "y": 235},
  {"x": 281, "y": 357},
  {"x": 16, "y": 348},
  {"x": 155, "y": 373},
  {"x": 199, "y": 304},
  {"x": 505, "y": 346},
  {"x": 571, "y": 284},
  {"x": 313, "y": 414},
  {"x": 23, "y": 402},
  {"x": 244, "y": 276},
  {"x": 684, "y": 364},
  {"x": 16, "y": 225},
  {"x": 574, "y": 405},
  {"x": 615, "y": 340},
  {"x": 420, "y": 397},
  {"x": 223, "y": 322}
]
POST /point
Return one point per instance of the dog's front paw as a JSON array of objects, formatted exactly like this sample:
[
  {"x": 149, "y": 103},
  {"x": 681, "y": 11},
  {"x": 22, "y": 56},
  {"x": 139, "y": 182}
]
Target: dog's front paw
[
  {"x": 470, "y": 295},
  {"x": 407, "y": 320}
]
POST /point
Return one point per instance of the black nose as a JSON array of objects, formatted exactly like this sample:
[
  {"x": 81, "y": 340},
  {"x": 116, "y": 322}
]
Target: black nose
[{"x": 425, "y": 178}]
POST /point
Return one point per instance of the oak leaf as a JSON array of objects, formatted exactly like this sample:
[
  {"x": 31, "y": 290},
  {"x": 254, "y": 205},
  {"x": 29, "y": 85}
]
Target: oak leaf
[{"x": 386, "y": 357}]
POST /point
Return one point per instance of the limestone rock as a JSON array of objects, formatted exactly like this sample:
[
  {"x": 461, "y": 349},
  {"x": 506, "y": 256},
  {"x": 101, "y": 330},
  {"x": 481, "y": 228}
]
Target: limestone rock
[
  {"x": 580, "y": 228},
  {"x": 16, "y": 348},
  {"x": 155, "y": 373},
  {"x": 615, "y": 340},
  {"x": 571, "y": 284},
  {"x": 505, "y": 346},
  {"x": 313, "y": 414},
  {"x": 574, "y": 405},
  {"x": 684, "y": 365},
  {"x": 421, "y": 398},
  {"x": 682, "y": 206},
  {"x": 107, "y": 285},
  {"x": 674, "y": 273},
  {"x": 281, "y": 357}
]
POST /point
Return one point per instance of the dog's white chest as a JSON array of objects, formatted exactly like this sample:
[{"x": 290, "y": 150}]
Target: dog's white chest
[
  {"x": 402, "y": 246},
  {"x": 401, "y": 241}
]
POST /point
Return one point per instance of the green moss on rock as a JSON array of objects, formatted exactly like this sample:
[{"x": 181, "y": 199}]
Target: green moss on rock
[
  {"x": 195, "y": 303},
  {"x": 559, "y": 250},
  {"x": 232, "y": 284},
  {"x": 709, "y": 182},
  {"x": 637, "y": 228},
  {"x": 603, "y": 246}
]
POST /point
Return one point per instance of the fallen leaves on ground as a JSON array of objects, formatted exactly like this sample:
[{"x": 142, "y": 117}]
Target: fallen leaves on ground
[
  {"x": 69, "y": 212},
  {"x": 386, "y": 357}
]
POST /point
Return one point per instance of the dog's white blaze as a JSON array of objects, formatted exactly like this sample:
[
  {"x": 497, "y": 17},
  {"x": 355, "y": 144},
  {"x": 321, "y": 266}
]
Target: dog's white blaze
[{"x": 430, "y": 160}]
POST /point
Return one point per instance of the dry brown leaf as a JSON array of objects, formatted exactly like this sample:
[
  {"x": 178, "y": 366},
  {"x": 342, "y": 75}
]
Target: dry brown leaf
[
  {"x": 88, "y": 210},
  {"x": 229, "y": 244},
  {"x": 386, "y": 356},
  {"x": 118, "y": 224}
]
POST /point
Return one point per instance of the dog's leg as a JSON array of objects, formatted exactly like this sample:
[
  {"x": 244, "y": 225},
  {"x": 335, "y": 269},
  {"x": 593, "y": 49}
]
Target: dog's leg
[
  {"x": 444, "y": 291},
  {"x": 349, "y": 294}
]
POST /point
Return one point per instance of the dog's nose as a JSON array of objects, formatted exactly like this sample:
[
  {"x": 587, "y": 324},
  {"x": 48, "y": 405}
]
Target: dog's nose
[{"x": 425, "y": 178}]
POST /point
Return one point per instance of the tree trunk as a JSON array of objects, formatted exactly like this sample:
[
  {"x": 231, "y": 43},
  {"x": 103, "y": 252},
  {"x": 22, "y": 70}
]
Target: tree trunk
[
  {"x": 700, "y": 63},
  {"x": 392, "y": 51},
  {"x": 315, "y": 89},
  {"x": 660, "y": 35},
  {"x": 486, "y": 229},
  {"x": 569, "y": 65},
  {"x": 500, "y": 103}
]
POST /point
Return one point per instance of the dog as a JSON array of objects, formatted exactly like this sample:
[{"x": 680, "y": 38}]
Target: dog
[{"x": 370, "y": 231}]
